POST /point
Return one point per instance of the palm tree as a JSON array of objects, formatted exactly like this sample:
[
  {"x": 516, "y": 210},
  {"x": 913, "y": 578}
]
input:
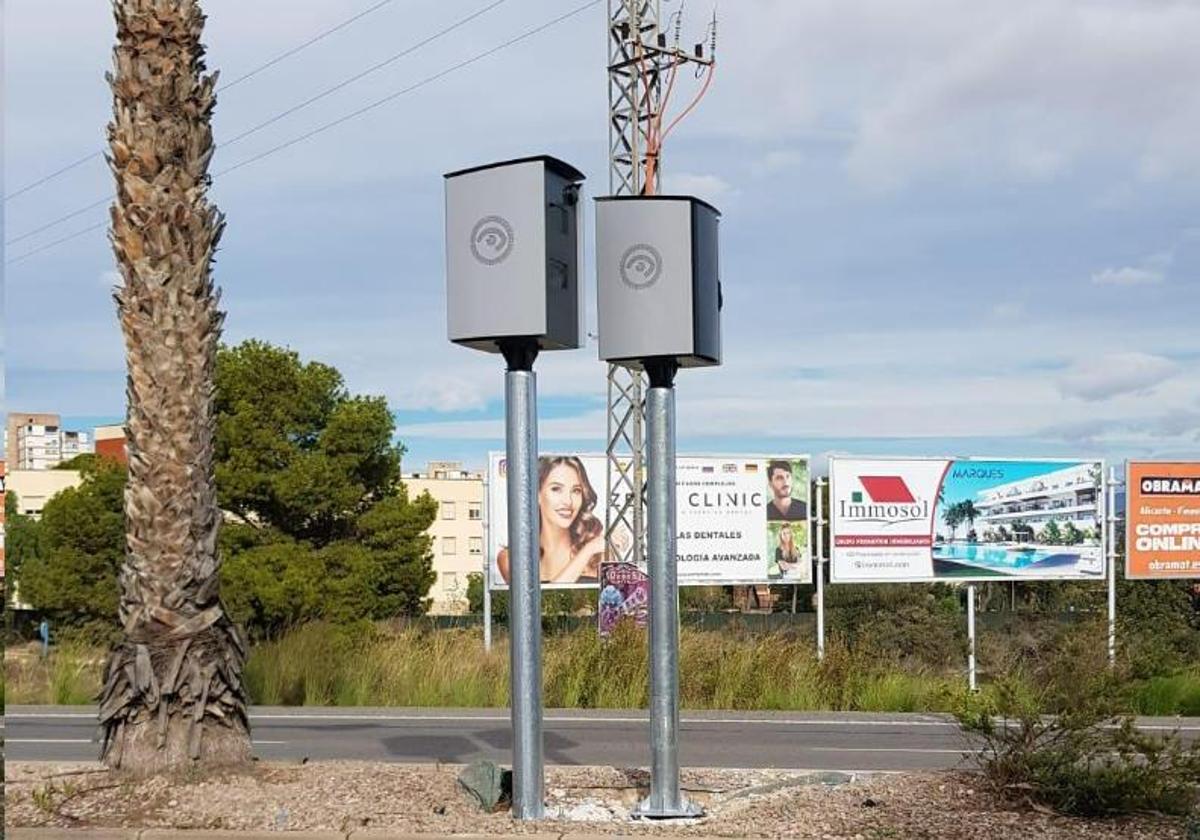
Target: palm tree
[
  {"x": 173, "y": 692},
  {"x": 968, "y": 511},
  {"x": 953, "y": 517}
]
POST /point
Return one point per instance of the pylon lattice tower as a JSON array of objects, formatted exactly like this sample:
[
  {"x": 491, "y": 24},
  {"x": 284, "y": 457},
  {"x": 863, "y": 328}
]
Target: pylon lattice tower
[{"x": 639, "y": 59}]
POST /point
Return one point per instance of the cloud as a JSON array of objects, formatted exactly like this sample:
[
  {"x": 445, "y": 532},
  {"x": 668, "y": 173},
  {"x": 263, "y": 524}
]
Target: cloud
[
  {"x": 1127, "y": 276},
  {"x": 1032, "y": 89},
  {"x": 1116, "y": 374},
  {"x": 1151, "y": 272},
  {"x": 711, "y": 188},
  {"x": 1008, "y": 310}
]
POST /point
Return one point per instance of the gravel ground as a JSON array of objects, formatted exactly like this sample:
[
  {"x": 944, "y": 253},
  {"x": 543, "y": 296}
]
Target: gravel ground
[{"x": 351, "y": 795}]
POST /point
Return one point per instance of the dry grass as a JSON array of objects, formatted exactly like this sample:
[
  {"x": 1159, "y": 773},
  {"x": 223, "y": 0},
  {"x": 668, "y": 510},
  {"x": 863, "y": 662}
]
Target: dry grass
[{"x": 322, "y": 665}]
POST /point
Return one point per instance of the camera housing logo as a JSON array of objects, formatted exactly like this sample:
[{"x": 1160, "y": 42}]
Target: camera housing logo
[
  {"x": 641, "y": 266},
  {"x": 491, "y": 240}
]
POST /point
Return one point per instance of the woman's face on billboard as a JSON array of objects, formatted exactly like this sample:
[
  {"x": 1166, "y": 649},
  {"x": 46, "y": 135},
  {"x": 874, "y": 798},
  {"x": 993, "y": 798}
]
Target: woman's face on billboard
[{"x": 561, "y": 496}]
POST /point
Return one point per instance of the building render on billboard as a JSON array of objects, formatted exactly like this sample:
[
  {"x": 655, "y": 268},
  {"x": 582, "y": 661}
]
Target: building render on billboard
[
  {"x": 457, "y": 531},
  {"x": 1067, "y": 495}
]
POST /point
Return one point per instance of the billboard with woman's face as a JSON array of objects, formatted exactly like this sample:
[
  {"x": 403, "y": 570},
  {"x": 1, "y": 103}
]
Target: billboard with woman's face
[{"x": 739, "y": 519}]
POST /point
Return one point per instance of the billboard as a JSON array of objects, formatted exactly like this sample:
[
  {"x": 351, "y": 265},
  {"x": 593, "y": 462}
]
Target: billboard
[
  {"x": 1162, "y": 520},
  {"x": 933, "y": 519},
  {"x": 739, "y": 520}
]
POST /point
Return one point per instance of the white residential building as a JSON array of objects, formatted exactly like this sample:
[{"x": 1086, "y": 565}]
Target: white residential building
[
  {"x": 1066, "y": 495},
  {"x": 43, "y": 447},
  {"x": 457, "y": 531}
]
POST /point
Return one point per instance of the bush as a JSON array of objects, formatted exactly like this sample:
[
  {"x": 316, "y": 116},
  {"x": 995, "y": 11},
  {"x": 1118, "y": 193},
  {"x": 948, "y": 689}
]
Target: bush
[{"x": 1084, "y": 761}]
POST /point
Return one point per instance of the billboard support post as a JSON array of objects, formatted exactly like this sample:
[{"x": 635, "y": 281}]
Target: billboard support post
[
  {"x": 1110, "y": 519},
  {"x": 665, "y": 799},
  {"x": 487, "y": 606},
  {"x": 820, "y": 570},
  {"x": 971, "y": 684},
  {"x": 487, "y": 573},
  {"x": 525, "y": 595}
]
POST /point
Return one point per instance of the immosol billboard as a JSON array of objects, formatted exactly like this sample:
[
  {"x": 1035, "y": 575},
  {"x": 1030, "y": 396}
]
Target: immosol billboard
[
  {"x": 739, "y": 519},
  {"x": 931, "y": 519},
  {"x": 1162, "y": 520}
]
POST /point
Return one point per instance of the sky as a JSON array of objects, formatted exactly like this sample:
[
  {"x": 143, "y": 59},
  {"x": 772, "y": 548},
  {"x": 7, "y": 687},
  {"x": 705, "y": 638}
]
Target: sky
[{"x": 948, "y": 228}]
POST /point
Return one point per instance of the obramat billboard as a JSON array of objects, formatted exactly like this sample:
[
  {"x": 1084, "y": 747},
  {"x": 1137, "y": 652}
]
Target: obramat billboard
[
  {"x": 931, "y": 519},
  {"x": 739, "y": 519},
  {"x": 1162, "y": 520}
]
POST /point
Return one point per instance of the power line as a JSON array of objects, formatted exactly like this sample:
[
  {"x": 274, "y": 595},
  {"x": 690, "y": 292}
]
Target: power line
[
  {"x": 347, "y": 117},
  {"x": 55, "y": 243},
  {"x": 374, "y": 68},
  {"x": 427, "y": 80},
  {"x": 52, "y": 175},
  {"x": 305, "y": 45},
  {"x": 243, "y": 135},
  {"x": 319, "y": 37}
]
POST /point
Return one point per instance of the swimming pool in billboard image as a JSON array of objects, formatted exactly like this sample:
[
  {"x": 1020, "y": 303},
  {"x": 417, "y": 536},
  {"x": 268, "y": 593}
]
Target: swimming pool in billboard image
[{"x": 1019, "y": 518}]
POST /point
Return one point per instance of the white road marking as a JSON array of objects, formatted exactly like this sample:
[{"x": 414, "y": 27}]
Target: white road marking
[
  {"x": 50, "y": 741},
  {"x": 881, "y": 750},
  {"x": 340, "y": 716}
]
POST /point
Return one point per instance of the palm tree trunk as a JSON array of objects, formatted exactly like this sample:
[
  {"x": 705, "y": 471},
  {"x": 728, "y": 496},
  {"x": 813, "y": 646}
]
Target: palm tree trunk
[{"x": 173, "y": 692}]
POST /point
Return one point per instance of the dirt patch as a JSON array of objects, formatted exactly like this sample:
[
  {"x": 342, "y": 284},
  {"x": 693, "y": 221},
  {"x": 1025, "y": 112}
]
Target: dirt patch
[{"x": 346, "y": 796}]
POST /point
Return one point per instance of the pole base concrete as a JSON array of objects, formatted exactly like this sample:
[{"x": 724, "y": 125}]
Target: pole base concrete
[{"x": 686, "y": 810}]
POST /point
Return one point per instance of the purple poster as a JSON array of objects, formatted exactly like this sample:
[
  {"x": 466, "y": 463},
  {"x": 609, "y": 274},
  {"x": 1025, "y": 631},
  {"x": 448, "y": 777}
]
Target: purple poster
[{"x": 624, "y": 591}]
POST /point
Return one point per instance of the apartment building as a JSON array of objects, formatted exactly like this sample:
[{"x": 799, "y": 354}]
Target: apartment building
[
  {"x": 457, "y": 532},
  {"x": 38, "y": 442},
  {"x": 14, "y": 421},
  {"x": 1066, "y": 495}
]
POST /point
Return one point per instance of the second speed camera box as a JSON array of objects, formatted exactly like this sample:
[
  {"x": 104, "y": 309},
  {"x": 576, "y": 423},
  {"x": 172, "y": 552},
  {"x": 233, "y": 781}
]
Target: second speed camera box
[
  {"x": 658, "y": 280},
  {"x": 513, "y": 254}
]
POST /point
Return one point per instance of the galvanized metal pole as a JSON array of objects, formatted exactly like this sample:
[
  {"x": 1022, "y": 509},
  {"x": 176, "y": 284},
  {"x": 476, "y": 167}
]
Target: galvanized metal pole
[
  {"x": 971, "y": 636},
  {"x": 1110, "y": 516},
  {"x": 525, "y": 594},
  {"x": 821, "y": 482},
  {"x": 666, "y": 799}
]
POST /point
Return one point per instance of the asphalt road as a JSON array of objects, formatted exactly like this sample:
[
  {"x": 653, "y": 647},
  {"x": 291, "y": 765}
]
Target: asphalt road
[{"x": 788, "y": 740}]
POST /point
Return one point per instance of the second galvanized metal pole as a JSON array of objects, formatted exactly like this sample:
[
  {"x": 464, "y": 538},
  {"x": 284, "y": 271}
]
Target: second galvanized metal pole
[
  {"x": 665, "y": 800},
  {"x": 525, "y": 594}
]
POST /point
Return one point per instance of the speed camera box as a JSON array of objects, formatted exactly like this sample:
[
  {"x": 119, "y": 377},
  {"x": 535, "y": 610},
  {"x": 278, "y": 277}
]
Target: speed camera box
[
  {"x": 513, "y": 253},
  {"x": 658, "y": 280}
]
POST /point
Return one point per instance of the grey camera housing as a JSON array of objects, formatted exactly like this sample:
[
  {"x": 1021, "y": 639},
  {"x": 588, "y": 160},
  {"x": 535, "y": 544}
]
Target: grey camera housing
[
  {"x": 513, "y": 253},
  {"x": 658, "y": 283}
]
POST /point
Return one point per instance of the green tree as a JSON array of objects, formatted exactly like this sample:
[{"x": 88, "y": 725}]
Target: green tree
[
  {"x": 323, "y": 527},
  {"x": 1051, "y": 534},
  {"x": 22, "y": 536},
  {"x": 294, "y": 449},
  {"x": 1071, "y": 535},
  {"x": 67, "y": 562}
]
